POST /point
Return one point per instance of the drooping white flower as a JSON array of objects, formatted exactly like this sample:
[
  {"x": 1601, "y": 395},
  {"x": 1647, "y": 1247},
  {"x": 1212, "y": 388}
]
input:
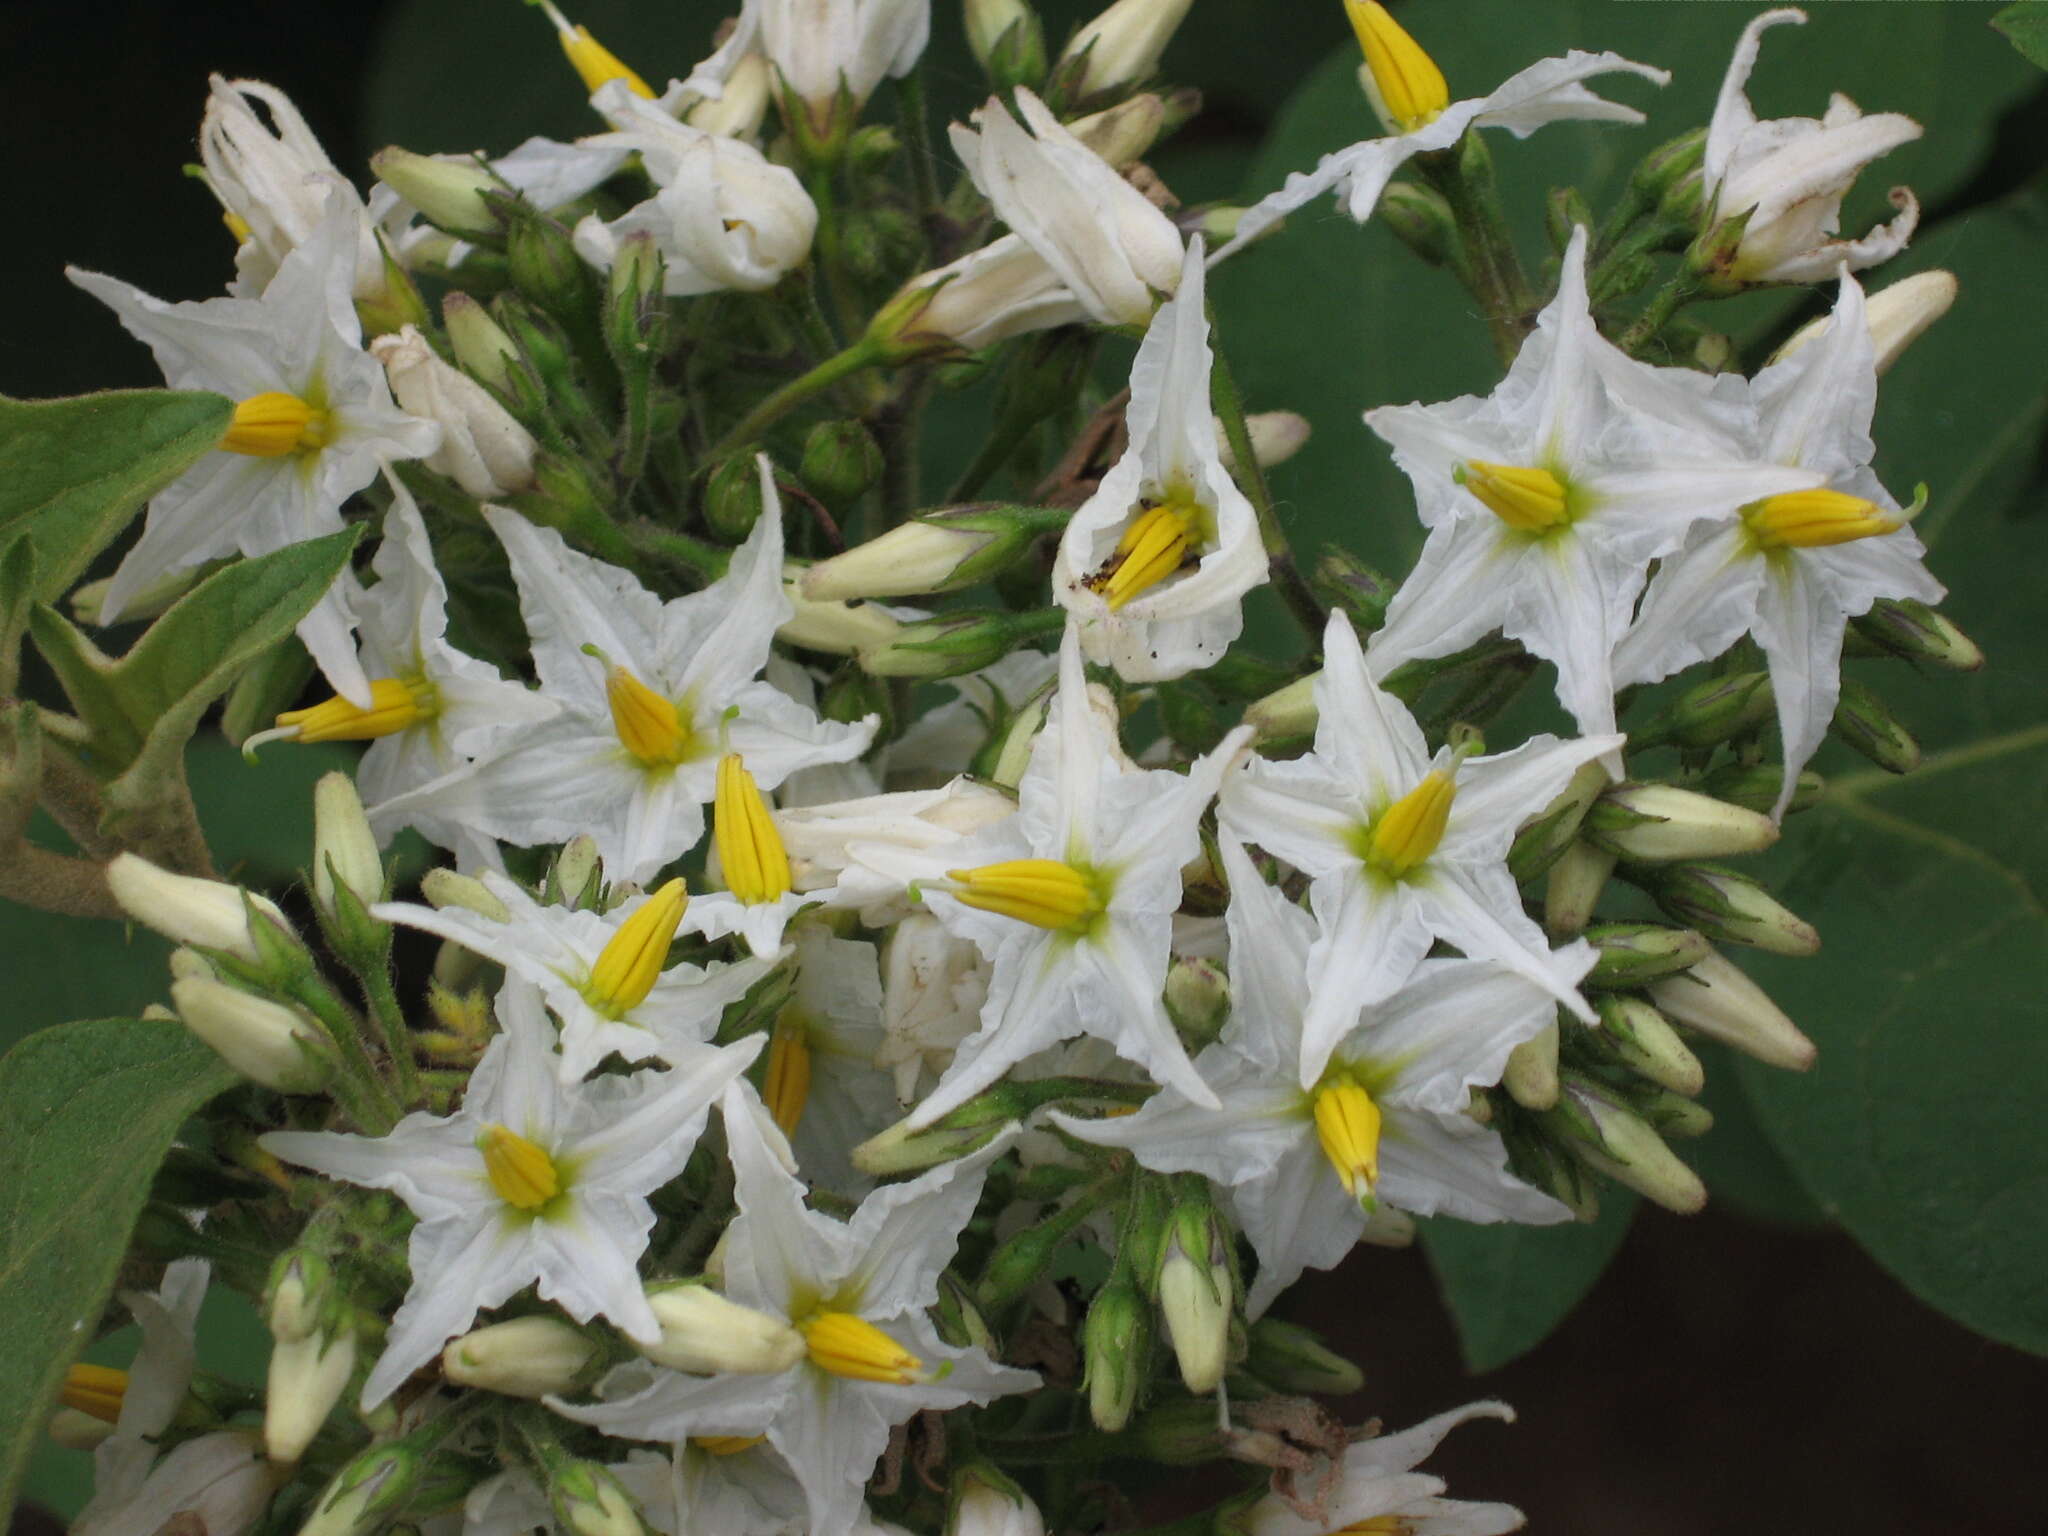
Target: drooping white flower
[
  {"x": 532, "y": 1181},
  {"x": 1116, "y": 253},
  {"x": 1791, "y": 173},
  {"x": 1072, "y": 900},
  {"x": 1401, "y": 849},
  {"x": 722, "y": 215},
  {"x": 653, "y": 694},
  {"x": 221, "y": 1480},
  {"x": 821, "y": 47},
  {"x": 1409, "y": 93},
  {"x": 1793, "y": 569},
  {"x": 1547, "y": 500},
  {"x": 313, "y": 422},
  {"x": 1155, "y": 565},
  {"x": 933, "y": 989},
  {"x": 1383, "y": 1123},
  {"x": 1380, "y": 1490},
  {"x": 602, "y": 975},
  {"x": 483, "y": 448},
  {"x": 1003, "y": 289},
  {"x": 858, "y": 1291}
]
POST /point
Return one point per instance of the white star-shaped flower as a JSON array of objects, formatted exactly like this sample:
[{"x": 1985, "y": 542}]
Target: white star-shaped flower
[
  {"x": 1401, "y": 849},
  {"x": 1155, "y": 565},
  {"x": 1384, "y": 1123},
  {"x": 533, "y": 1181},
  {"x": 1547, "y": 500},
  {"x": 653, "y": 694},
  {"x": 858, "y": 1291},
  {"x": 313, "y": 421},
  {"x": 602, "y": 975},
  {"x": 1792, "y": 570},
  {"x": 1380, "y": 1490}
]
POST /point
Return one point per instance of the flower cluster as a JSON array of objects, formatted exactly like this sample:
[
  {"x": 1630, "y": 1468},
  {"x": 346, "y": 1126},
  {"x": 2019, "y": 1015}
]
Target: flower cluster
[{"x": 792, "y": 1027}]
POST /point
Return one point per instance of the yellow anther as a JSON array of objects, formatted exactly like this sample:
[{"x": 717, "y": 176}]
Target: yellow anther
[
  {"x": 1809, "y": 519},
  {"x": 630, "y": 962},
  {"x": 849, "y": 1345},
  {"x": 1408, "y": 831},
  {"x": 95, "y": 1389},
  {"x": 1044, "y": 892},
  {"x": 274, "y": 424},
  {"x": 1378, "y": 1525},
  {"x": 750, "y": 850},
  {"x": 597, "y": 64},
  {"x": 1529, "y": 499},
  {"x": 522, "y": 1173},
  {"x": 1348, "y": 1126},
  {"x": 396, "y": 704},
  {"x": 786, "y": 1085},
  {"x": 650, "y": 726},
  {"x": 726, "y": 1445},
  {"x": 1411, "y": 88},
  {"x": 237, "y": 225},
  {"x": 1158, "y": 542}
]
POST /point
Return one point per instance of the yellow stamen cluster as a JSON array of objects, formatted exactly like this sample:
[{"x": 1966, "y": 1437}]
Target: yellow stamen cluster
[
  {"x": 1810, "y": 519},
  {"x": 750, "y": 850},
  {"x": 396, "y": 704},
  {"x": 274, "y": 424},
  {"x": 1158, "y": 542},
  {"x": 1348, "y": 1126},
  {"x": 1378, "y": 1525},
  {"x": 597, "y": 64},
  {"x": 650, "y": 726},
  {"x": 726, "y": 1445},
  {"x": 1408, "y": 831},
  {"x": 1043, "y": 892},
  {"x": 630, "y": 962},
  {"x": 786, "y": 1084},
  {"x": 95, "y": 1389},
  {"x": 1528, "y": 499},
  {"x": 851, "y": 1346},
  {"x": 521, "y": 1171},
  {"x": 1411, "y": 87}
]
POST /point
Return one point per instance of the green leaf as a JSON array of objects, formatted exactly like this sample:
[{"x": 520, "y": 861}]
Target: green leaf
[
  {"x": 1919, "y": 1127},
  {"x": 87, "y": 1112},
  {"x": 2026, "y": 27},
  {"x": 1509, "y": 1286},
  {"x": 72, "y": 472}
]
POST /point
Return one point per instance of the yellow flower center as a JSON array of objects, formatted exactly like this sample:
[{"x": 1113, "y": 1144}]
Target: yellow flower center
[
  {"x": 522, "y": 1173},
  {"x": 630, "y": 962},
  {"x": 1809, "y": 519},
  {"x": 1527, "y": 499},
  {"x": 726, "y": 1445},
  {"x": 650, "y": 726},
  {"x": 95, "y": 1389},
  {"x": 750, "y": 850},
  {"x": 851, "y": 1346},
  {"x": 1348, "y": 1126},
  {"x": 1408, "y": 831},
  {"x": 396, "y": 704},
  {"x": 274, "y": 424},
  {"x": 1043, "y": 892},
  {"x": 597, "y": 64},
  {"x": 1411, "y": 87},
  {"x": 1158, "y": 542},
  {"x": 786, "y": 1085}
]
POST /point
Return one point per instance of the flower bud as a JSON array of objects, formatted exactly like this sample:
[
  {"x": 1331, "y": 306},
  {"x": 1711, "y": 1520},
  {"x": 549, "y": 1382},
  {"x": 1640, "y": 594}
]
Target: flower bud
[
  {"x": 1421, "y": 220},
  {"x": 453, "y": 192},
  {"x": 444, "y": 888},
  {"x": 936, "y": 552},
  {"x": 266, "y": 1042},
  {"x": 481, "y": 345},
  {"x": 367, "y": 1492},
  {"x": 1714, "y": 997},
  {"x": 1902, "y": 627},
  {"x": 1195, "y": 1294},
  {"x": 344, "y": 848},
  {"x": 1290, "y": 1358},
  {"x": 836, "y": 629},
  {"x": 739, "y": 112},
  {"x": 1277, "y": 436},
  {"x": 1658, "y": 824},
  {"x": 1609, "y": 1138},
  {"x": 1711, "y": 712},
  {"x": 1665, "y": 1112},
  {"x": 1123, "y": 133},
  {"x": 1544, "y": 840},
  {"x": 1116, "y": 1345},
  {"x": 527, "y": 1357},
  {"x": 1896, "y": 316},
  {"x": 1633, "y": 953},
  {"x": 301, "y": 1299},
  {"x": 307, "y": 1377},
  {"x": 986, "y": 1503},
  {"x": 1008, "y": 754},
  {"x": 635, "y": 309},
  {"x": 1531, "y": 1074},
  {"x": 989, "y": 295},
  {"x": 703, "y": 1333},
  {"x": 963, "y": 641},
  {"x": 1728, "y": 906},
  {"x": 88, "y": 602},
  {"x": 1642, "y": 1040},
  {"x": 1755, "y": 787},
  {"x": 576, "y": 878},
  {"x": 1864, "y": 721},
  {"x": 1008, "y": 41},
  {"x": 1286, "y": 712},
  {"x": 1197, "y": 999},
  {"x": 841, "y": 461},
  {"x": 1121, "y": 46},
  {"x": 188, "y": 910},
  {"x": 904, "y": 1149},
  {"x": 542, "y": 260},
  {"x": 1573, "y": 890},
  {"x": 1344, "y": 581},
  {"x": 482, "y": 448},
  {"x": 590, "y": 1501},
  {"x": 732, "y": 497}
]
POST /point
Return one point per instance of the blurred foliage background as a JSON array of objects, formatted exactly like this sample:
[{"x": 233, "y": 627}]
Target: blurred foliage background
[{"x": 1764, "y": 1367}]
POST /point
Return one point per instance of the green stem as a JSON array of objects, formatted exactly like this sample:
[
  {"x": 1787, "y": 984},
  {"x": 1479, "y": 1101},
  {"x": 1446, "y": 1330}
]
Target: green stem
[
  {"x": 862, "y": 354},
  {"x": 1287, "y": 578},
  {"x": 917, "y": 143},
  {"x": 831, "y": 247},
  {"x": 1669, "y": 300},
  {"x": 357, "y": 1086},
  {"x": 1492, "y": 270},
  {"x": 1007, "y": 438},
  {"x": 799, "y": 293},
  {"x": 389, "y": 1017}
]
